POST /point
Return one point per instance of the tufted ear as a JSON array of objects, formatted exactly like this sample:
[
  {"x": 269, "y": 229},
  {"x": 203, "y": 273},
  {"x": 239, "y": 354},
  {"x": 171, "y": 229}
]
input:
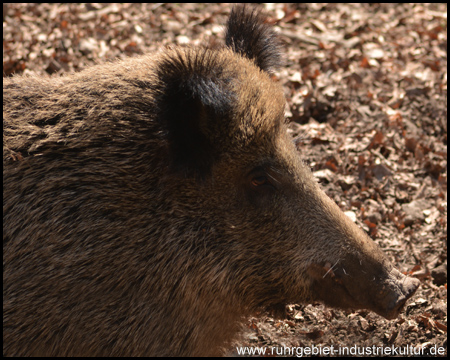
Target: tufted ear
[
  {"x": 194, "y": 102},
  {"x": 248, "y": 35}
]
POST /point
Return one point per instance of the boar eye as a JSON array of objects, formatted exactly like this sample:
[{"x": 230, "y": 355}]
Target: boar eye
[{"x": 260, "y": 181}]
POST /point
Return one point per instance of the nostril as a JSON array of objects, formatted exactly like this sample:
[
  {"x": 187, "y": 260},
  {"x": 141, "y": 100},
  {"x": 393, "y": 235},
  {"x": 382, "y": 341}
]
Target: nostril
[{"x": 410, "y": 285}]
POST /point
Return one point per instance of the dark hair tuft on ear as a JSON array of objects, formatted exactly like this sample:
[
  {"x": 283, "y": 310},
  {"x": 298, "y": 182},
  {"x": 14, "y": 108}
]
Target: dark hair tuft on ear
[{"x": 248, "y": 35}]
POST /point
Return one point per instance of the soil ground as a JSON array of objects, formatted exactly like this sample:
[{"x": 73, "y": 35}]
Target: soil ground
[{"x": 366, "y": 87}]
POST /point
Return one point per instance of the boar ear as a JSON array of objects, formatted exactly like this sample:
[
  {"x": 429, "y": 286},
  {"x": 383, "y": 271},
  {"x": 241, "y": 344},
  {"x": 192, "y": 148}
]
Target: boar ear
[
  {"x": 247, "y": 35},
  {"x": 193, "y": 104}
]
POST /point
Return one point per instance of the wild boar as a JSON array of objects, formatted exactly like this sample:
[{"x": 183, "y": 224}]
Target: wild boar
[{"x": 150, "y": 204}]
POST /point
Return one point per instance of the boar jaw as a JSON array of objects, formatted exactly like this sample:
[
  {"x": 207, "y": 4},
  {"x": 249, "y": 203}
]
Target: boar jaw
[{"x": 384, "y": 291}]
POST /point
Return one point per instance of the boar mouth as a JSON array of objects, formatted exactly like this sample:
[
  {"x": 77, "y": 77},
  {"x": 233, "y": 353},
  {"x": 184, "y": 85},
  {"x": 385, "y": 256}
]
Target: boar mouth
[{"x": 384, "y": 293}]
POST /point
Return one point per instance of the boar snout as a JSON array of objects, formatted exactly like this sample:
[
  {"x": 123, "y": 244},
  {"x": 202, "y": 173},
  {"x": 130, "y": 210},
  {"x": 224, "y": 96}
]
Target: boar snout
[
  {"x": 392, "y": 297},
  {"x": 384, "y": 291}
]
